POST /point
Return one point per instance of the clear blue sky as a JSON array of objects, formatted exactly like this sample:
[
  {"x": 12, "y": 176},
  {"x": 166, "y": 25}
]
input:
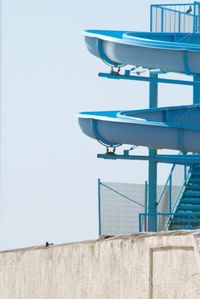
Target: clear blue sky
[{"x": 49, "y": 169}]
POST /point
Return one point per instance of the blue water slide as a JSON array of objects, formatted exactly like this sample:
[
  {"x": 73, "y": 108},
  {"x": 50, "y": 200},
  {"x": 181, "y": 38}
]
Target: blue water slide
[
  {"x": 169, "y": 52},
  {"x": 176, "y": 128}
]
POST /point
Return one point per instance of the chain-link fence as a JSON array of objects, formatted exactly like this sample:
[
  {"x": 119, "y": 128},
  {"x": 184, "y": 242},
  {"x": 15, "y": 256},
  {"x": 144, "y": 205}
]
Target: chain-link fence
[{"x": 120, "y": 205}]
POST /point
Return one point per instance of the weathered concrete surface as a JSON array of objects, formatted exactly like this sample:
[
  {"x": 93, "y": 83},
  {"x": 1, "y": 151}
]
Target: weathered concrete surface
[{"x": 138, "y": 266}]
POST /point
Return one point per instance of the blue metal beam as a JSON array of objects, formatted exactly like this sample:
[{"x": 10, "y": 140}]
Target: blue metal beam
[
  {"x": 152, "y": 194},
  {"x": 176, "y": 4},
  {"x": 128, "y": 76},
  {"x": 196, "y": 90},
  {"x": 177, "y": 11},
  {"x": 151, "y": 14},
  {"x": 169, "y": 159},
  {"x": 146, "y": 203}
]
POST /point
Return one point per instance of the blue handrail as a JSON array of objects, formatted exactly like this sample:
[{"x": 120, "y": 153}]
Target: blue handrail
[
  {"x": 168, "y": 205},
  {"x": 187, "y": 177},
  {"x": 169, "y": 184},
  {"x": 176, "y": 4},
  {"x": 166, "y": 184},
  {"x": 178, "y": 17}
]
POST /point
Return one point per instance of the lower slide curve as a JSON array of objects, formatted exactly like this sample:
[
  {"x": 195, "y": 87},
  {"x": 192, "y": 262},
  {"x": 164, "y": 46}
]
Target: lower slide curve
[{"x": 176, "y": 128}]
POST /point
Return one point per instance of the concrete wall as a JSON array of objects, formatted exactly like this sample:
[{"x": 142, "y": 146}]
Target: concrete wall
[{"x": 138, "y": 266}]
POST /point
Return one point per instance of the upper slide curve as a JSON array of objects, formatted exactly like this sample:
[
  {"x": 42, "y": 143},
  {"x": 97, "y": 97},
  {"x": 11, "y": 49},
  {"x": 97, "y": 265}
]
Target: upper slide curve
[{"x": 169, "y": 52}]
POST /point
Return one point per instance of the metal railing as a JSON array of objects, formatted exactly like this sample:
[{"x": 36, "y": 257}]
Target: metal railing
[
  {"x": 175, "y": 17},
  {"x": 172, "y": 189},
  {"x": 168, "y": 200}
]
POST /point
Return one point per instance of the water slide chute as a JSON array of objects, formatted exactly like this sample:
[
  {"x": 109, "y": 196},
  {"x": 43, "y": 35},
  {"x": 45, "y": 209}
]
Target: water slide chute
[
  {"x": 176, "y": 128},
  {"x": 169, "y": 52}
]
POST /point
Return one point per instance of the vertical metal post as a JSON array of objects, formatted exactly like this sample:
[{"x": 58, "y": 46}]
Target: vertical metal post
[
  {"x": 152, "y": 198},
  {"x": 151, "y": 18},
  {"x": 185, "y": 173},
  {"x": 170, "y": 194},
  {"x": 196, "y": 89},
  {"x": 179, "y": 22},
  {"x": 140, "y": 222},
  {"x": 194, "y": 19},
  {"x": 162, "y": 20},
  {"x": 146, "y": 205},
  {"x": 99, "y": 205}
]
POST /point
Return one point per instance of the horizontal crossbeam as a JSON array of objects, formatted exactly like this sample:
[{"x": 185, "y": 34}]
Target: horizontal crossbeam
[
  {"x": 170, "y": 159},
  {"x": 128, "y": 76}
]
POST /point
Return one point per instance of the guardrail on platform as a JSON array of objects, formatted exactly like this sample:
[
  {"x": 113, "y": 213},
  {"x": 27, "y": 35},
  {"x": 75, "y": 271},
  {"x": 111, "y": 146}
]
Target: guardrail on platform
[{"x": 175, "y": 17}]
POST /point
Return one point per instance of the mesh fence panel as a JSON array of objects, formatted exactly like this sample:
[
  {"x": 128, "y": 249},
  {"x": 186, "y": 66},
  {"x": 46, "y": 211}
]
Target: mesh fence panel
[
  {"x": 119, "y": 212},
  {"x": 121, "y": 204}
]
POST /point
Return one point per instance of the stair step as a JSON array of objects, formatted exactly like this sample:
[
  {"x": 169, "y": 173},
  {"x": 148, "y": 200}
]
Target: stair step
[
  {"x": 188, "y": 214},
  {"x": 185, "y": 221},
  {"x": 193, "y": 193},
  {"x": 193, "y": 187},
  {"x": 190, "y": 201},
  {"x": 188, "y": 211},
  {"x": 195, "y": 177},
  {"x": 196, "y": 166},
  {"x": 194, "y": 180},
  {"x": 196, "y": 173},
  {"x": 196, "y": 183},
  {"x": 188, "y": 208},
  {"x": 183, "y": 227}
]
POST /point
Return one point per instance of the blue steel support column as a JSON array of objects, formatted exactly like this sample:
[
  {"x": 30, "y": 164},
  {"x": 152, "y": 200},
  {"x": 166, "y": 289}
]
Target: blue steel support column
[
  {"x": 194, "y": 20},
  {"x": 146, "y": 206},
  {"x": 196, "y": 90},
  {"x": 198, "y": 18},
  {"x": 151, "y": 20},
  {"x": 152, "y": 198}
]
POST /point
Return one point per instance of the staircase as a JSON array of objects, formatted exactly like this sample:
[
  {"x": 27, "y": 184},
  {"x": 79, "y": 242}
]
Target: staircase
[{"x": 187, "y": 213}]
